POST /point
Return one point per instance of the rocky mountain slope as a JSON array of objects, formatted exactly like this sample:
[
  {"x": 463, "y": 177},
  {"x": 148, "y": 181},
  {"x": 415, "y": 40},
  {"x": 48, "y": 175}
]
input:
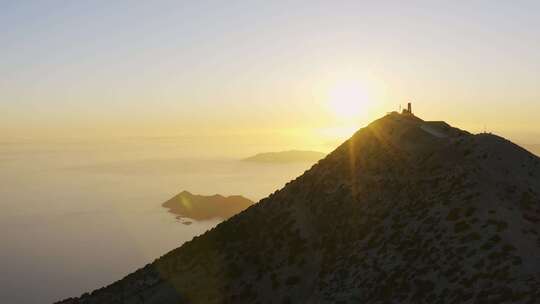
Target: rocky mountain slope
[{"x": 405, "y": 211}]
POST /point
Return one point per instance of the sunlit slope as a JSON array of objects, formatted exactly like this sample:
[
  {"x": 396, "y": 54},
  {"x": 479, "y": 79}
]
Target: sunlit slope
[{"x": 405, "y": 211}]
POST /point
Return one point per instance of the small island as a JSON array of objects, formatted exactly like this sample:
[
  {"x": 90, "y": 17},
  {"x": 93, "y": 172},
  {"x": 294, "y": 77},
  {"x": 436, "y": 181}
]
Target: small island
[
  {"x": 201, "y": 207},
  {"x": 292, "y": 156}
]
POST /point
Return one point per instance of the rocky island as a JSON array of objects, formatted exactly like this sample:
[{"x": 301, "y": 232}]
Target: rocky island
[{"x": 199, "y": 207}]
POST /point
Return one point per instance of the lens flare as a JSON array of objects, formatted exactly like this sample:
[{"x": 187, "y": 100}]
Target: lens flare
[{"x": 349, "y": 100}]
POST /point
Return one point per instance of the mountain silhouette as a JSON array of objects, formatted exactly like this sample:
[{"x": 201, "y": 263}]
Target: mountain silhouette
[{"x": 405, "y": 211}]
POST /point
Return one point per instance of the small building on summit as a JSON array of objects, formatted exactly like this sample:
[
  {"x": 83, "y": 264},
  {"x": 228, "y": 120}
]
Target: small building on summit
[{"x": 408, "y": 111}]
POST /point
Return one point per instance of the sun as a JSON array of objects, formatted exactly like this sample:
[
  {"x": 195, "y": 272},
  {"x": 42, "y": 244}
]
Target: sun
[{"x": 349, "y": 100}]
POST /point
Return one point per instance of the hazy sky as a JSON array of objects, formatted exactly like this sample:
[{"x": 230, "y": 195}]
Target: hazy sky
[{"x": 265, "y": 68}]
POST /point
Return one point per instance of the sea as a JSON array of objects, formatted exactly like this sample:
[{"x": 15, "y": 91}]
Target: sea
[{"x": 79, "y": 215}]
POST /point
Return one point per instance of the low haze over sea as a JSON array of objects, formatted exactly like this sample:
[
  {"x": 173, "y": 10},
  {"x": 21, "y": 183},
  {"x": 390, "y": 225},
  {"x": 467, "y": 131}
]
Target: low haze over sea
[{"x": 79, "y": 215}]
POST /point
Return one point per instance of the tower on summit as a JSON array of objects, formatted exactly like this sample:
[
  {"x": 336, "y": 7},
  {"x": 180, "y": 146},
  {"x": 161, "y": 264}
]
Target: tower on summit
[{"x": 408, "y": 110}]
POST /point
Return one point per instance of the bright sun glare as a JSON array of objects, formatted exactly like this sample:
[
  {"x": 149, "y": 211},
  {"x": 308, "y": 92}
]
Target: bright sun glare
[{"x": 349, "y": 100}]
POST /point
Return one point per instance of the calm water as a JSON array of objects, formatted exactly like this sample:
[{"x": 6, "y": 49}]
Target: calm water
[{"x": 78, "y": 216}]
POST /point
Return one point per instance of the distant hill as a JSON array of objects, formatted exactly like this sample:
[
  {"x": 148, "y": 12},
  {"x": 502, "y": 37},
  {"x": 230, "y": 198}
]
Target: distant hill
[
  {"x": 405, "y": 211},
  {"x": 292, "y": 156},
  {"x": 533, "y": 148},
  {"x": 200, "y": 207}
]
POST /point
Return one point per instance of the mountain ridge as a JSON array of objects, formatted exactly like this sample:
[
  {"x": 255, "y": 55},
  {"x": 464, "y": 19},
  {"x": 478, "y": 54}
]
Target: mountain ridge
[{"x": 404, "y": 211}]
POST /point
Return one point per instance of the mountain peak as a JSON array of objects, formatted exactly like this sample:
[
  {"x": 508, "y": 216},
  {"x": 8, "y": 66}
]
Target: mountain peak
[{"x": 404, "y": 122}]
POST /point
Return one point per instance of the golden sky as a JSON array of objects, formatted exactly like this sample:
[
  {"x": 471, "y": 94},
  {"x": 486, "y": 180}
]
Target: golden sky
[{"x": 302, "y": 75}]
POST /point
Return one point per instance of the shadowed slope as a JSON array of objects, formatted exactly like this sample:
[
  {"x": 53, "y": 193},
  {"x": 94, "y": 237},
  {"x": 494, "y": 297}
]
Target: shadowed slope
[{"x": 405, "y": 211}]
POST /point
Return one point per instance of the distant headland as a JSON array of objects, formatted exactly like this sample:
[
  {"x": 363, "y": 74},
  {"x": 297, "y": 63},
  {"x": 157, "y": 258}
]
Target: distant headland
[
  {"x": 292, "y": 156},
  {"x": 533, "y": 148}
]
